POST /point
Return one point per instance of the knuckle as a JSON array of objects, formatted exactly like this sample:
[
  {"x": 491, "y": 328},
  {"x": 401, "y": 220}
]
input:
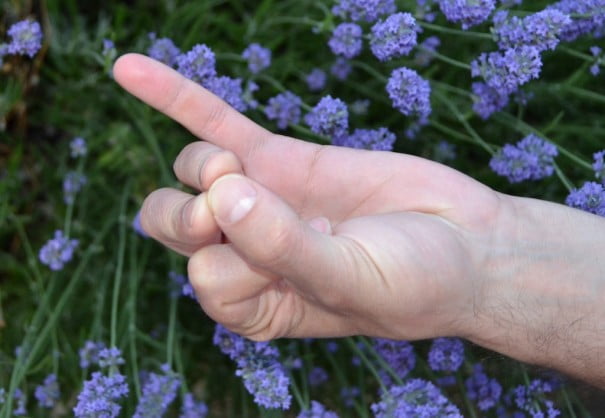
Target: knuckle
[
  {"x": 282, "y": 242},
  {"x": 215, "y": 118}
]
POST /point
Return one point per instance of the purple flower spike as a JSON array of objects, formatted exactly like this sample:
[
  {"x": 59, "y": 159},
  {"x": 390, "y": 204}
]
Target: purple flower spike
[
  {"x": 394, "y": 37},
  {"x": 346, "y": 40},
  {"x": 57, "y": 251}
]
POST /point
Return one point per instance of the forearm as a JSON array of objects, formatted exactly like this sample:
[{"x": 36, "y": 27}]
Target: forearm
[{"x": 542, "y": 297}]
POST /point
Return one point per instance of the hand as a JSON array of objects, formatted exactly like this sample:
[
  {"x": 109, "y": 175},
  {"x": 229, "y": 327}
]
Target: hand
[{"x": 322, "y": 241}]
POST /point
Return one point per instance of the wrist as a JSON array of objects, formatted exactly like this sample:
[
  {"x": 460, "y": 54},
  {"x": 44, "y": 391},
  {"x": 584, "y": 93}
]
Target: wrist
[{"x": 541, "y": 295}]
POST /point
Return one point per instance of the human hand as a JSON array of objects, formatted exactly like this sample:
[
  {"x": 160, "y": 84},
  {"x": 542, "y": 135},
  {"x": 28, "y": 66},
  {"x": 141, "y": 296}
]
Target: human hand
[{"x": 322, "y": 241}]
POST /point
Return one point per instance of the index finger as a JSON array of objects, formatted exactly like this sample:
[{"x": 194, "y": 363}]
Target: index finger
[{"x": 197, "y": 109}]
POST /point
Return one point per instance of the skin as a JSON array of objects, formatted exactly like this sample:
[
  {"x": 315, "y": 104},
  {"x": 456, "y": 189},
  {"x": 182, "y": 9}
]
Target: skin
[{"x": 293, "y": 239}]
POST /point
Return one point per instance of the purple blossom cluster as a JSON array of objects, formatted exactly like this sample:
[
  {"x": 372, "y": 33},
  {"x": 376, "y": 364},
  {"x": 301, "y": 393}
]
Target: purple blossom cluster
[
  {"x": 317, "y": 376},
  {"x": 484, "y": 391},
  {"x": 394, "y": 37},
  {"x": 316, "y": 79},
  {"x": 341, "y": 68},
  {"x": 190, "y": 408},
  {"x": 78, "y": 147},
  {"x": 506, "y": 71},
  {"x": 541, "y": 29},
  {"x": 284, "y": 109},
  {"x": 588, "y": 17},
  {"x": 599, "y": 165},
  {"x": 89, "y": 353},
  {"x": 330, "y": 117},
  {"x": 197, "y": 64},
  {"x": 158, "y": 393},
  {"x": 367, "y": 10},
  {"x": 531, "y": 399},
  {"x": 317, "y": 410},
  {"x": 346, "y": 40},
  {"x": 532, "y": 158},
  {"x": 180, "y": 286},
  {"x": 398, "y": 355},
  {"x": 48, "y": 393},
  {"x": 446, "y": 354},
  {"x": 409, "y": 93},
  {"x": 597, "y": 53},
  {"x": 258, "y": 57},
  {"x": 467, "y": 12},
  {"x": 590, "y": 198},
  {"x": 415, "y": 398},
  {"x": 426, "y": 51},
  {"x": 72, "y": 184},
  {"x": 259, "y": 366},
  {"x": 380, "y": 139},
  {"x": 100, "y": 395},
  {"x": 26, "y": 38},
  {"x": 229, "y": 89},
  {"x": 57, "y": 251},
  {"x": 163, "y": 50},
  {"x": 488, "y": 100}
]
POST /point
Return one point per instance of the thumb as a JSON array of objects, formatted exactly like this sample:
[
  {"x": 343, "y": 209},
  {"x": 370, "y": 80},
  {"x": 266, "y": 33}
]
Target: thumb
[{"x": 269, "y": 234}]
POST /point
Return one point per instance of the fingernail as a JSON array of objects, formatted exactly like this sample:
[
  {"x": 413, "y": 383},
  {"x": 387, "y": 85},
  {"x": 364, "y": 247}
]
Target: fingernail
[{"x": 231, "y": 197}]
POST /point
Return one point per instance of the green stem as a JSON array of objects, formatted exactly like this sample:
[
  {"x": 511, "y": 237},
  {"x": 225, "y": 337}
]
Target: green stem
[
  {"x": 577, "y": 54},
  {"x": 370, "y": 70},
  {"x": 452, "y": 31},
  {"x": 448, "y": 60},
  {"x": 586, "y": 94},
  {"x": 367, "y": 362},
  {"x": 117, "y": 281}
]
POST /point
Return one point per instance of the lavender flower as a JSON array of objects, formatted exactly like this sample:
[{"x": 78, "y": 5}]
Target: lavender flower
[
  {"x": 100, "y": 395},
  {"x": 192, "y": 408},
  {"x": 444, "y": 151},
  {"x": 316, "y": 79},
  {"x": 596, "y": 52},
  {"x": 48, "y": 392},
  {"x": 599, "y": 165},
  {"x": 317, "y": 410},
  {"x": 248, "y": 95},
  {"x": 78, "y": 147},
  {"x": 426, "y": 51},
  {"x": 380, "y": 139},
  {"x": 482, "y": 390},
  {"x": 590, "y": 197},
  {"x": 164, "y": 50},
  {"x": 446, "y": 354},
  {"x": 2, "y": 396},
  {"x": 284, "y": 108},
  {"x": 72, "y": 184},
  {"x": 467, "y": 12},
  {"x": 506, "y": 71},
  {"x": 89, "y": 353},
  {"x": 530, "y": 159},
  {"x": 229, "y": 89},
  {"x": 258, "y": 57},
  {"x": 57, "y": 251},
  {"x": 258, "y": 364},
  {"x": 394, "y": 37},
  {"x": 541, "y": 29},
  {"x": 180, "y": 286},
  {"x": 349, "y": 394},
  {"x": 531, "y": 399},
  {"x": 346, "y": 40},
  {"x": 109, "y": 49},
  {"x": 424, "y": 10},
  {"x": 487, "y": 100},
  {"x": 588, "y": 17},
  {"x": 21, "y": 399},
  {"x": 136, "y": 225},
  {"x": 359, "y": 107},
  {"x": 399, "y": 355},
  {"x": 416, "y": 398},
  {"x": 26, "y": 38},
  {"x": 409, "y": 93},
  {"x": 158, "y": 393},
  {"x": 110, "y": 357},
  {"x": 198, "y": 64},
  {"x": 330, "y": 117},
  {"x": 341, "y": 69},
  {"x": 368, "y": 10},
  {"x": 317, "y": 376}
]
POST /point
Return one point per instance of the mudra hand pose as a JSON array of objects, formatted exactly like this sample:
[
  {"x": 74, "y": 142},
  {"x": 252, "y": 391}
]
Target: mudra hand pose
[{"x": 329, "y": 241}]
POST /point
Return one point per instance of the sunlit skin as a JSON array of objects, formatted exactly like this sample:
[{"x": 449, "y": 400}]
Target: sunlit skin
[{"x": 293, "y": 239}]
